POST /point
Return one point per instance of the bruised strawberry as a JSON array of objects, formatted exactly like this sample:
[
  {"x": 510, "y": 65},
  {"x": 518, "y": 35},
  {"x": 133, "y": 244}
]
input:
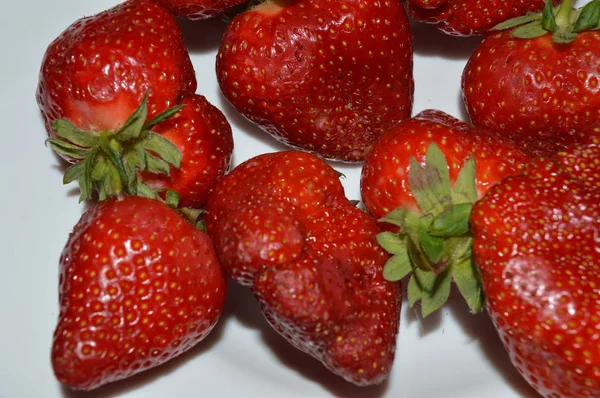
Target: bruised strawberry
[
  {"x": 199, "y": 9},
  {"x": 326, "y": 76},
  {"x": 423, "y": 176},
  {"x": 470, "y": 17},
  {"x": 539, "y": 79},
  {"x": 282, "y": 226},
  {"x": 139, "y": 285},
  {"x": 97, "y": 71},
  {"x": 536, "y": 244}
]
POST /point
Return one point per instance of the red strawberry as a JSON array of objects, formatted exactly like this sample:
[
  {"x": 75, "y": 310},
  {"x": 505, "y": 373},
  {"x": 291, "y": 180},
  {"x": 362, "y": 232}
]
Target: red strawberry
[
  {"x": 139, "y": 285},
  {"x": 97, "y": 71},
  {"x": 327, "y": 76},
  {"x": 470, "y": 17},
  {"x": 281, "y": 225},
  {"x": 423, "y": 176},
  {"x": 543, "y": 88},
  {"x": 537, "y": 246},
  {"x": 199, "y": 9},
  {"x": 203, "y": 136}
]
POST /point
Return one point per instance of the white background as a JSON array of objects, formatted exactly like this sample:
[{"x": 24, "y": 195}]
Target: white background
[{"x": 451, "y": 354}]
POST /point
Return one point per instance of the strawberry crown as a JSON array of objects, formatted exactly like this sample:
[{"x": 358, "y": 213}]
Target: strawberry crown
[
  {"x": 435, "y": 246},
  {"x": 109, "y": 161},
  {"x": 563, "y": 21}
]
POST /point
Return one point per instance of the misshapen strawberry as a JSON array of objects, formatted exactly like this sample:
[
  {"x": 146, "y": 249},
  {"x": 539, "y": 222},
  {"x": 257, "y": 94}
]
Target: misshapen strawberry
[
  {"x": 199, "y": 9},
  {"x": 423, "y": 176},
  {"x": 539, "y": 79},
  {"x": 326, "y": 76},
  {"x": 470, "y": 17},
  {"x": 139, "y": 285},
  {"x": 97, "y": 71},
  {"x": 281, "y": 225},
  {"x": 537, "y": 246}
]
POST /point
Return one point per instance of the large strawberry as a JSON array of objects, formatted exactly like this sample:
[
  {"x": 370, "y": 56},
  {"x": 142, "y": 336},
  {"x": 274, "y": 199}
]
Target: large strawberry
[
  {"x": 470, "y": 17},
  {"x": 327, "y": 76},
  {"x": 540, "y": 79},
  {"x": 537, "y": 246},
  {"x": 139, "y": 285},
  {"x": 423, "y": 176},
  {"x": 281, "y": 225},
  {"x": 97, "y": 71},
  {"x": 199, "y": 9}
]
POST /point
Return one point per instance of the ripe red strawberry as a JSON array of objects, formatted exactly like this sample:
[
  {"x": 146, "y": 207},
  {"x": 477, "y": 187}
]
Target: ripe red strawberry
[
  {"x": 326, "y": 76},
  {"x": 470, "y": 17},
  {"x": 97, "y": 71},
  {"x": 537, "y": 246},
  {"x": 541, "y": 84},
  {"x": 281, "y": 225},
  {"x": 203, "y": 136},
  {"x": 139, "y": 285},
  {"x": 199, "y": 9},
  {"x": 423, "y": 176}
]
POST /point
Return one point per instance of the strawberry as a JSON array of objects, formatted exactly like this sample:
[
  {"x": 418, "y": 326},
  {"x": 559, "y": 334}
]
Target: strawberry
[
  {"x": 139, "y": 285},
  {"x": 199, "y": 9},
  {"x": 282, "y": 226},
  {"x": 469, "y": 17},
  {"x": 539, "y": 79},
  {"x": 422, "y": 175},
  {"x": 536, "y": 243},
  {"x": 326, "y": 76},
  {"x": 97, "y": 71}
]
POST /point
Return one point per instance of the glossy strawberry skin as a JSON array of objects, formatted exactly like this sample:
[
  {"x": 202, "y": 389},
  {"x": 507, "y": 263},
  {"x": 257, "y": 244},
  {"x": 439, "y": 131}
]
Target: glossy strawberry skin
[
  {"x": 96, "y": 72},
  {"x": 384, "y": 179},
  {"x": 282, "y": 226},
  {"x": 199, "y": 9},
  {"x": 324, "y": 76},
  {"x": 139, "y": 285},
  {"x": 543, "y": 91},
  {"x": 205, "y": 141},
  {"x": 536, "y": 246},
  {"x": 470, "y": 17}
]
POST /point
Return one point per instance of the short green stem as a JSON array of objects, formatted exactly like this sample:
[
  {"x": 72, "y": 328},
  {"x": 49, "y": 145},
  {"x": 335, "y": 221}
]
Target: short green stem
[{"x": 564, "y": 13}]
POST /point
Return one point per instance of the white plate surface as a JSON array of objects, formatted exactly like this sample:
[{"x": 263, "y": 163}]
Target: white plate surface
[{"x": 451, "y": 354}]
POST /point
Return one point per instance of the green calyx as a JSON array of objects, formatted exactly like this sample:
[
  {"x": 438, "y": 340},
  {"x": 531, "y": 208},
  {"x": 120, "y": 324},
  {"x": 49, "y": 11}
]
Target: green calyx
[
  {"x": 109, "y": 161},
  {"x": 564, "y": 22},
  {"x": 434, "y": 247}
]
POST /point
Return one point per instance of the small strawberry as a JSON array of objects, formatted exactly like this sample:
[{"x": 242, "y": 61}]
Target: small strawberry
[
  {"x": 97, "y": 71},
  {"x": 537, "y": 247},
  {"x": 199, "y": 9},
  {"x": 282, "y": 226},
  {"x": 423, "y": 176},
  {"x": 539, "y": 77},
  {"x": 326, "y": 76},
  {"x": 139, "y": 285},
  {"x": 470, "y": 17}
]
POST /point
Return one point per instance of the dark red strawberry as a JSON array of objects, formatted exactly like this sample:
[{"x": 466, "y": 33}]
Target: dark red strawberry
[
  {"x": 423, "y": 176},
  {"x": 470, "y": 17},
  {"x": 537, "y": 247},
  {"x": 97, "y": 71},
  {"x": 199, "y": 9},
  {"x": 326, "y": 76},
  {"x": 281, "y": 225},
  {"x": 139, "y": 285},
  {"x": 540, "y": 79}
]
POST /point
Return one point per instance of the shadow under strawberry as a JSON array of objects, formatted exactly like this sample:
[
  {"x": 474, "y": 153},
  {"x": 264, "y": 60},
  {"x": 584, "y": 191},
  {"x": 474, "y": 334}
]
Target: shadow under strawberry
[
  {"x": 202, "y": 36},
  {"x": 430, "y": 42}
]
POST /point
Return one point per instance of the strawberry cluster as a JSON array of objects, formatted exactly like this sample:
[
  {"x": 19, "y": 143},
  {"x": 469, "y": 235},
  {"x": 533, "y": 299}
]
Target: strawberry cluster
[{"x": 507, "y": 206}]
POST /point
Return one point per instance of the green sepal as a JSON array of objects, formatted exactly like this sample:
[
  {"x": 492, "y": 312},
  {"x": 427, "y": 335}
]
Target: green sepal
[
  {"x": 391, "y": 242},
  {"x": 111, "y": 149},
  {"x": 430, "y": 184},
  {"x": 548, "y": 20},
  {"x": 73, "y": 172},
  {"x": 163, "y": 116},
  {"x": 397, "y": 266},
  {"x": 589, "y": 17},
  {"x": 68, "y": 149},
  {"x": 132, "y": 128},
  {"x": 172, "y": 198},
  {"x": 432, "y": 246},
  {"x": 85, "y": 179},
  {"x": 145, "y": 191},
  {"x": 529, "y": 31},
  {"x": 402, "y": 217},
  {"x": 69, "y": 132},
  {"x": 417, "y": 257},
  {"x": 452, "y": 222},
  {"x": 414, "y": 291},
  {"x": 518, "y": 21},
  {"x": 164, "y": 148},
  {"x": 468, "y": 282},
  {"x": 156, "y": 165},
  {"x": 435, "y": 289},
  {"x": 465, "y": 186}
]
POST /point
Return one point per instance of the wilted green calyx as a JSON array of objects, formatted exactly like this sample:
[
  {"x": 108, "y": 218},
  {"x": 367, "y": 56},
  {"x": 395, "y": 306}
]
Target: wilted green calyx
[
  {"x": 109, "y": 161},
  {"x": 435, "y": 246},
  {"x": 564, "y": 22}
]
